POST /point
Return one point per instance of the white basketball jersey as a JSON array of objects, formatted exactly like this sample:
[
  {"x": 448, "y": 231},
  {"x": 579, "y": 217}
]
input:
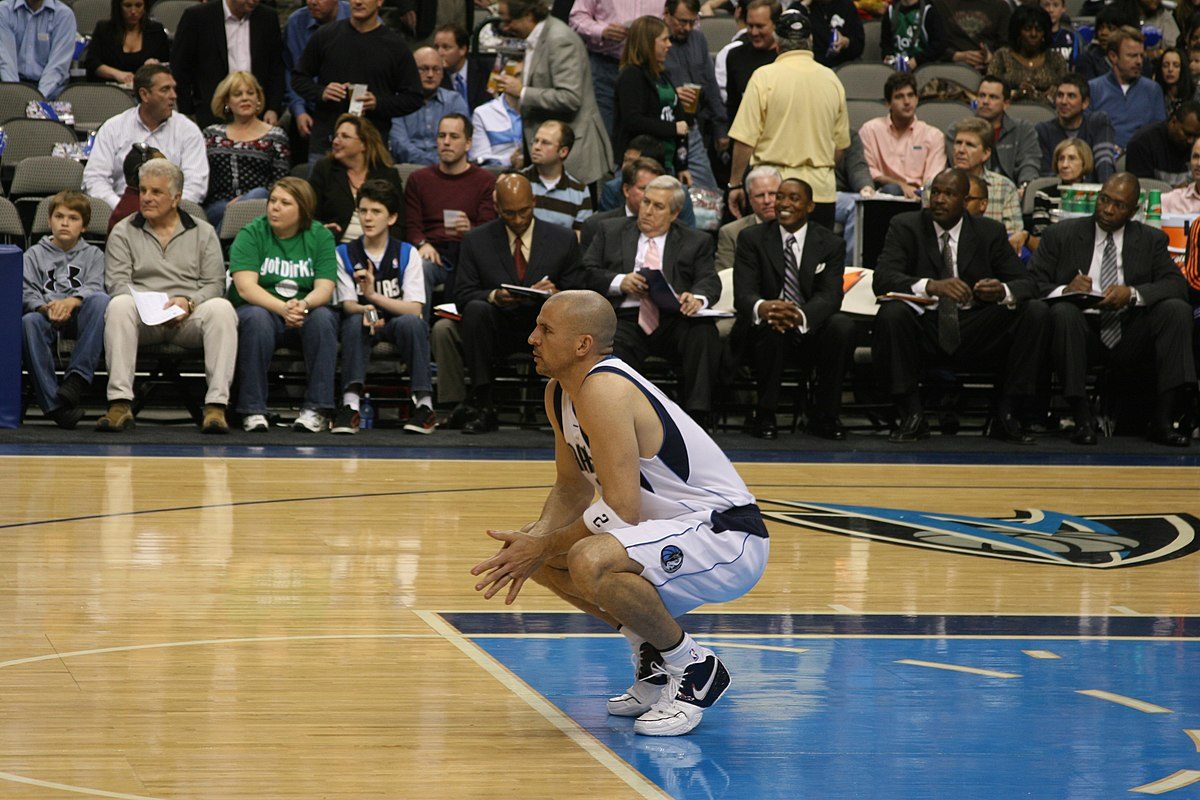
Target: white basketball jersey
[{"x": 689, "y": 476}]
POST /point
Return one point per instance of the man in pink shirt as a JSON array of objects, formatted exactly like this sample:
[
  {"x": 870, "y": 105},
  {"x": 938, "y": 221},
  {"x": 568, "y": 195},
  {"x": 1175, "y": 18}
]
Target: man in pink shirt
[
  {"x": 603, "y": 26},
  {"x": 1186, "y": 200},
  {"x": 902, "y": 152}
]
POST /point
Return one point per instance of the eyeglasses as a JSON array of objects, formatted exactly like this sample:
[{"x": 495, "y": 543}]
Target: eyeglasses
[
  {"x": 429, "y": 69},
  {"x": 686, "y": 23}
]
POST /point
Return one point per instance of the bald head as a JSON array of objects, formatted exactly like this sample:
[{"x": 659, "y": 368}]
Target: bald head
[
  {"x": 429, "y": 65},
  {"x": 514, "y": 202},
  {"x": 585, "y": 313}
]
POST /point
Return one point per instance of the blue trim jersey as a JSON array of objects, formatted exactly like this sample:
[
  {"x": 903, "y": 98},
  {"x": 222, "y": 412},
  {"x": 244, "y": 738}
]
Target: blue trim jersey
[{"x": 690, "y": 476}]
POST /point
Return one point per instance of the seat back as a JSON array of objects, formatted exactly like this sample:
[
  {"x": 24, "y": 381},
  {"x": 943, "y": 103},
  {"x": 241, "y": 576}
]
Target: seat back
[
  {"x": 169, "y": 12},
  {"x": 1033, "y": 113},
  {"x": 962, "y": 75},
  {"x": 46, "y": 175},
  {"x": 33, "y": 137},
  {"x": 238, "y": 215},
  {"x": 14, "y": 97},
  {"x": 864, "y": 81},
  {"x": 93, "y": 103},
  {"x": 942, "y": 114}
]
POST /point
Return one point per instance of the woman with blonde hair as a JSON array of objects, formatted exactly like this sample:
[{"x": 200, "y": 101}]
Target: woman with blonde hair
[
  {"x": 1073, "y": 163},
  {"x": 356, "y": 155},
  {"x": 645, "y": 101},
  {"x": 284, "y": 270},
  {"x": 245, "y": 154}
]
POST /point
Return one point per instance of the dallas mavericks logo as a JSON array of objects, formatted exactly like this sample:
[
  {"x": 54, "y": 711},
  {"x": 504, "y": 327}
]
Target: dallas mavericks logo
[
  {"x": 1047, "y": 537},
  {"x": 672, "y": 558}
]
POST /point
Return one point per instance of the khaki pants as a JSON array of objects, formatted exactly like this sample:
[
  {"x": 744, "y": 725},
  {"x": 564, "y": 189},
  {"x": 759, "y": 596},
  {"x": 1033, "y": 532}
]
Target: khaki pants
[{"x": 213, "y": 327}]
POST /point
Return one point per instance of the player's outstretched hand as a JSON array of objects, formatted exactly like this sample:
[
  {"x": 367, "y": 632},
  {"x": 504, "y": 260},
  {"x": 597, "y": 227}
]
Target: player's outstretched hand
[{"x": 519, "y": 558}]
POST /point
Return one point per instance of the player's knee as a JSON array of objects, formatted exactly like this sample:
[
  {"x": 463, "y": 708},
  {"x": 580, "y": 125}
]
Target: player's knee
[{"x": 587, "y": 562}]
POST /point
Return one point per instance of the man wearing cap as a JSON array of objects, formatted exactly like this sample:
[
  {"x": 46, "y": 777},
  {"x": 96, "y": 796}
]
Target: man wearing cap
[{"x": 793, "y": 117}]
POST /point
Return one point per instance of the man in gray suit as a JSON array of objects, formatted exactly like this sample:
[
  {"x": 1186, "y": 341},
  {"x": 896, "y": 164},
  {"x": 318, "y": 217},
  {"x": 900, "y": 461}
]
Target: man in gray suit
[
  {"x": 761, "y": 185},
  {"x": 620, "y": 264},
  {"x": 557, "y": 85}
]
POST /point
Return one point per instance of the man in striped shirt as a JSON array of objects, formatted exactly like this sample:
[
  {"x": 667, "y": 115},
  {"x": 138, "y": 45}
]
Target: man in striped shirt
[{"x": 561, "y": 199}]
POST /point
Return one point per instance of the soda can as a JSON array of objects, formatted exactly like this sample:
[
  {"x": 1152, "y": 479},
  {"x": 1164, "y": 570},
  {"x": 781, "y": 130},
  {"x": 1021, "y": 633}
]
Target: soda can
[
  {"x": 901, "y": 64},
  {"x": 3, "y": 141},
  {"x": 1154, "y": 204}
]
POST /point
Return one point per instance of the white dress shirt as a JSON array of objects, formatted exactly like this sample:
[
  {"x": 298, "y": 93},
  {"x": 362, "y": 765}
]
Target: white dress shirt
[
  {"x": 797, "y": 251},
  {"x": 177, "y": 138},
  {"x": 1098, "y": 259},
  {"x": 918, "y": 288},
  {"x": 237, "y": 40},
  {"x": 530, "y": 45},
  {"x": 614, "y": 288}
]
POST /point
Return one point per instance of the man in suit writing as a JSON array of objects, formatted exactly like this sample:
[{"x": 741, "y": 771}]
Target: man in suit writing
[
  {"x": 964, "y": 298},
  {"x": 787, "y": 282},
  {"x": 1143, "y": 318},
  {"x": 654, "y": 241},
  {"x": 515, "y": 249}
]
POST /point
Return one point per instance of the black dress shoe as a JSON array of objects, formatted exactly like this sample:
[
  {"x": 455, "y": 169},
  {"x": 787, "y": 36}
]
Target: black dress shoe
[
  {"x": 1085, "y": 434},
  {"x": 460, "y": 416},
  {"x": 912, "y": 428},
  {"x": 1168, "y": 437},
  {"x": 763, "y": 426},
  {"x": 827, "y": 429},
  {"x": 948, "y": 423},
  {"x": 483, "y": 422},
  {"x": 1006, "y": 428}
]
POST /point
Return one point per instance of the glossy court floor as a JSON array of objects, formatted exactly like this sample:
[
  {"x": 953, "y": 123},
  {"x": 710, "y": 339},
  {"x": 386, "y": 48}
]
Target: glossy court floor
[{"x": 235, "y": 626}]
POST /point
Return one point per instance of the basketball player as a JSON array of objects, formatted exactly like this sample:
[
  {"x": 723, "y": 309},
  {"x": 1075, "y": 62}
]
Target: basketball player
[{"x": 674, "y": 526}]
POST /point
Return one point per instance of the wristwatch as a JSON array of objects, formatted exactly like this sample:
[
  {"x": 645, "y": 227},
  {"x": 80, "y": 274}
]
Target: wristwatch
[{"x": 732, "y": 186}]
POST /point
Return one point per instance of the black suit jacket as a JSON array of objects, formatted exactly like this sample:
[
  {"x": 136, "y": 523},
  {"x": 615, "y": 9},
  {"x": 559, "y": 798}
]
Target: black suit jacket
[
  {"x": 1066, "y": 250},
  {"x": 687, "y": 258},
  {"x": 485, "y": 260},
  {"x": 200, "y": 57},
  {"x": 593, "y": 223},
  {"x": 335, "y": 198},
  {"x": 758, "y": 268},
  {"x": 478, "y": 70},
  {"x": 911, "y": 252}
]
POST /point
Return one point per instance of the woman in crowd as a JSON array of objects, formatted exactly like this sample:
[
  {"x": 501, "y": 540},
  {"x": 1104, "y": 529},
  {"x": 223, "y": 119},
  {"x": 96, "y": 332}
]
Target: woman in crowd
[
  {"x": 245, "y": 155},
  {"x": 645, "y": 101},
  {"x": 1175, "y": 78},
  {"x": 284, "y": 270},
  {"x": 1073, "y": 163},
  {"x": 1186, "y": 199},
  {"x": 357, "y": 154},
  {"x": 1028, "y": 64},
  {"x": 124, "y": 42}
]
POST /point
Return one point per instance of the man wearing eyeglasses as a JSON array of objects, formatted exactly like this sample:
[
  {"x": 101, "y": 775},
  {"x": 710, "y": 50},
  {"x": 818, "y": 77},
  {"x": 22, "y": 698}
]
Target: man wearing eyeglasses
[
  {"x": 413, "y": 139},
  {"x": 690, "y": 68},
  {"x": 1141, "y": 318}
]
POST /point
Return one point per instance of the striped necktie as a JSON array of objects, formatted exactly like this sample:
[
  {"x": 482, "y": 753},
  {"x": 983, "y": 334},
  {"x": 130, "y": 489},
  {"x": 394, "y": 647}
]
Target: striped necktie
[
  {"x": 791, "y": 272},
  {"x": 648, "y": 311},
  {"x": 948, "y": 333},
  {"x": 1110, "y": 321}
]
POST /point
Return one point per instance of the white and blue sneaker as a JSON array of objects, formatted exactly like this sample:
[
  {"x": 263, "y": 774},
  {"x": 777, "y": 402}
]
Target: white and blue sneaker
[
  {"x": 649, "y": 680},
  {"x": 688, "y": 692}
]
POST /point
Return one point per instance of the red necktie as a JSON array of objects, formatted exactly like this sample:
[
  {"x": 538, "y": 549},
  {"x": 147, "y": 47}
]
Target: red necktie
[{"x": 519, "y": 259}]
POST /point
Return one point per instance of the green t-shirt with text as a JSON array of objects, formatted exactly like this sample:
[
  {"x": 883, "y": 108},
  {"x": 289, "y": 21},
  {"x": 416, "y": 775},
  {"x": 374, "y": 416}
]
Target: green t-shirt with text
[{"x": 287, "y": 268}]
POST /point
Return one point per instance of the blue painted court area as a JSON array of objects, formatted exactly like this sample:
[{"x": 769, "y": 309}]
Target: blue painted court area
[{"x": 845, "y": 720}]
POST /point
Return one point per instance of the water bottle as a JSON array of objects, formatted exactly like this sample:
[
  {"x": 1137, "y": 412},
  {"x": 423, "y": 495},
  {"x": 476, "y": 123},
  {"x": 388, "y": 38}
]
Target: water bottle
[{"x": 366, "y": 413}]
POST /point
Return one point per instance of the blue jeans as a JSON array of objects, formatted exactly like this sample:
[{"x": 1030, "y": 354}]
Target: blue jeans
[
  {"x": 261, "y": 331},
  {"x": 216, "y": 209},
  {"x": 604, "y": 80},
  {"x": 86, "y": 326},
  {"x": 409, "y": 333},
  {"x": 698, "y": 164},
  {"x": 845, "y": 212}
]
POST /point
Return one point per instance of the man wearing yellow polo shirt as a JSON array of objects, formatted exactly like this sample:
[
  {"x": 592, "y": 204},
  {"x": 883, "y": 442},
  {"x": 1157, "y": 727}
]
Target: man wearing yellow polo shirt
[{"x": 792, "y": 117}]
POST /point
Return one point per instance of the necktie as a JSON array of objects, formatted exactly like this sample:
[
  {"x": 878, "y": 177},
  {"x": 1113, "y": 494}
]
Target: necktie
[
  {"x": 791, "y": 272},
  {"x": 519, "y": 259},
  {"x": 648, "y": 312},
  {"x": 1110, "y": 321},
  {"x": 460, "y": 85},
  {"x": 948, "y": 334}
]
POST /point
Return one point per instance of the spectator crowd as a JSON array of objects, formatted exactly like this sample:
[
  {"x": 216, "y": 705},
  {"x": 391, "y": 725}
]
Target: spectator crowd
[{"x": 390, "y": 181}]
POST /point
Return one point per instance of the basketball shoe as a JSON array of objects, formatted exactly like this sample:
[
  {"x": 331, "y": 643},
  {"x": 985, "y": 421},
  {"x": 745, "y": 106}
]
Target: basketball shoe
[
  {"x": 688, "y": 692},
  {"x": 650, "y": 679}
]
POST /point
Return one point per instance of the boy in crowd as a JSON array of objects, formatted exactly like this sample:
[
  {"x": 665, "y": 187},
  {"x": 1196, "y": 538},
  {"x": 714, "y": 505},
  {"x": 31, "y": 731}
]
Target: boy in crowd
[
  {"x": 1063, "y": 36},
  {"x": 381, "y": 286},
  {"x": 63, "y": 293}
]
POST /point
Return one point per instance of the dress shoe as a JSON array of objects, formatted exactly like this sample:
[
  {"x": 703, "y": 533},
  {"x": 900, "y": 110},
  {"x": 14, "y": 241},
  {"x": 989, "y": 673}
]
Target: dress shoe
[
  {"x": 71, "y": 390},
  {"x": 1006, "y": 428},
  {"x": 912, "y": 428},
  {"x": 214, "y": 419},
  {"x": 1085, "y": 433},
  {"x": 1168, "y": 437},
  {"x": 827, "y": 429},
  {"x": 460, "y": 416},
  {"x": 762, "y": 426},
  {"x": 66, "y": 417},
  {"x": 118, "y": 418},
  {"x": 483, "y": 422},
  {"x": 948, "y": 424}
]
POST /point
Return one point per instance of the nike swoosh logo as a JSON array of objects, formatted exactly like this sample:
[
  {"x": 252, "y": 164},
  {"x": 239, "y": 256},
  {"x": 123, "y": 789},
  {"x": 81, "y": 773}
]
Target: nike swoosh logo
[{"x": 702, "y": 692}]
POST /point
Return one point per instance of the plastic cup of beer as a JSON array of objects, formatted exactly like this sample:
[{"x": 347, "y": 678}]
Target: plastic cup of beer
[{"x": 690, "y": 108}]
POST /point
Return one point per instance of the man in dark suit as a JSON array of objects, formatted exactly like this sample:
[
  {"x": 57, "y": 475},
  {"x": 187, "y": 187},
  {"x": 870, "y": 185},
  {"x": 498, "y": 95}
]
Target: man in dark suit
[
  {"x": 463, "y": 74},
  {"x": 517, "y": 250},
  {"x": 787, "y": 284},
  {"x": 1143, "y": 319},
  {"x": 617, "y": 264},
  {"x": 965, "y": 300},
  {"x": 216, "y": 38},
  {"x": 635, "y": 177}
]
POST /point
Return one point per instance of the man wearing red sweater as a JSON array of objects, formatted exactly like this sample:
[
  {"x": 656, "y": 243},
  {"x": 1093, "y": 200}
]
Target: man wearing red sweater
[{"x": 446, "y": 200}]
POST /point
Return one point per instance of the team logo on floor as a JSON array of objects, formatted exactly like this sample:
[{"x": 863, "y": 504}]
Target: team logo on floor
[{"x": 1048, "y": 537}]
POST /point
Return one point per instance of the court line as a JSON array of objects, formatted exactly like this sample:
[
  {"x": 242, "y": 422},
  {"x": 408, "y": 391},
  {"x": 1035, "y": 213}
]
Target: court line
[
  {"x": 1043, "y": 654},
  {"x": 552, "y": 714},
  {"x": 1130, "y": 702},
  {"x": 914, "y": 636},
  {"x": 1176, "y": 780},
  {"x": 65, "y": 787},
  {"x": 991, "y": 673},
  {"x": 841, "y": 609},
  {"x": 1126, "y": 611},
  {"x": 1195, "y": 737},
  {"x": 743, "y": 646}
]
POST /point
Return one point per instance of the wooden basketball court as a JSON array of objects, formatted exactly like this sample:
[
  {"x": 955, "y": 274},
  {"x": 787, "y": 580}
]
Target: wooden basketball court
[{"x": 242, "y": 627}]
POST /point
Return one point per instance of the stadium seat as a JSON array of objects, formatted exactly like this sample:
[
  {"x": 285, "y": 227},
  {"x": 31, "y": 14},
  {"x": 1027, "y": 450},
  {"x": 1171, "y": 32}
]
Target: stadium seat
[
  {"x": 964, "y": 76},
  {"x": 32, "y": 137},
  {"x": 718, "y": 31},
  {"x": 41, "y": 176},
  {"x": 93, "y": 103},
  {"x": 14, "y": 97},
  {"x": 1036, "y": 185},
  {"x": 194, "y": 209},
  {"x": 941, "y": 114},
  {"x": 169, "y": 12},
  {"x": 88, "y": 13},
  {"x": 301, "y": 171},
  {"x": 872, "y": 52},
  {"x": 864, "y": 81},
  {"x": 862, "y": 110},
  {"x": 238, "y": 215},
  {"x": 405, "y": 170},
  {"x": 97, "y": 230},
  {"x": 11, "y": 230},
  {"x": 1033, "y": 113}
]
